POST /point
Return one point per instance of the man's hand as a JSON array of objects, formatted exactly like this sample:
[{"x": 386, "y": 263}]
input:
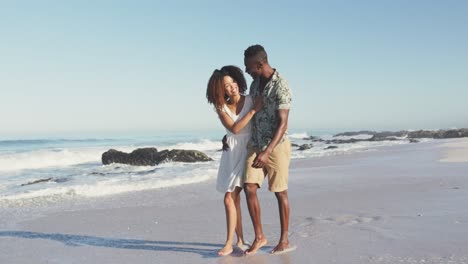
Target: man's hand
[
  {"x": 225, "y": 144},
  {"x": 261, "y": 160}
]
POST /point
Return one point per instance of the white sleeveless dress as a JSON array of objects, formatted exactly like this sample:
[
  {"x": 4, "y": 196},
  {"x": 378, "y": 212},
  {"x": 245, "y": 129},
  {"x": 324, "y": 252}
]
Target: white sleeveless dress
[{"x": 232, "y": 165}]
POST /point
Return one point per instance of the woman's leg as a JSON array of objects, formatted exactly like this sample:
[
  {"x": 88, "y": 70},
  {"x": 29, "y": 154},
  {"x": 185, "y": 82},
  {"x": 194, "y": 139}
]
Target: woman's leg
[
  {"x": 231, "y": 217},
  {"x": 239, "y": 232}
]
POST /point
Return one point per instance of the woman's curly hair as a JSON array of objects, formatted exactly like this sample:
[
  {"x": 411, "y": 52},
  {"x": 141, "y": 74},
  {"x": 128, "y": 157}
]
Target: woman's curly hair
[{"x": 215, "y": 89}]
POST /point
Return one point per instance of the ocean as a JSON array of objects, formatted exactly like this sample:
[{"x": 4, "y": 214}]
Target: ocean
[{"x": 72, "y": 167}]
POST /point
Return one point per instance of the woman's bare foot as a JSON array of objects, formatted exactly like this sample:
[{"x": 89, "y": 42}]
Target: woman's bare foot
[
  {"x": 240, "y": 243},
  {"x": 226, "y": 250},
  {"x": 282, "y": 246},
  {"x": 256, "y": 245}
]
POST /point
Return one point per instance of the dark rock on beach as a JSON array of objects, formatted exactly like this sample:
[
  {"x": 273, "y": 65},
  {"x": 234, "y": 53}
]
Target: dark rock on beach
[
  {"x": 37, "y": 181},
  {"x": 382, "y": 138},
  {"x": 315, "y": 139},
  {"x": 331, "y": 147},
  {"x": 350, "y": 134},
  {"x": 390, "y": 135},
  {"x": 305, "y": 146},
  {"x": 344, "y": 141},
  {"x": 452, "y": 133},
  {"x": 412, "y": 136},
  {"x": 139, "y": 157},
  {"x": 180, "y": 155},
  {"x": 151, "y": 156},
  {"x": 382, "y": 134}
]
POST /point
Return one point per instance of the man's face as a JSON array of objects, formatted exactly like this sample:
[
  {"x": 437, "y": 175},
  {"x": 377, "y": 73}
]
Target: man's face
[{"x": 252, "y": 67}]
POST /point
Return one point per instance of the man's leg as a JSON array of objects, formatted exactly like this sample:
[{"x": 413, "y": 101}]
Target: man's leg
[
  {"x": 278, "y": 174},
  {"x": 255, "y": 215},
  {"x": 283, "y": 206}
]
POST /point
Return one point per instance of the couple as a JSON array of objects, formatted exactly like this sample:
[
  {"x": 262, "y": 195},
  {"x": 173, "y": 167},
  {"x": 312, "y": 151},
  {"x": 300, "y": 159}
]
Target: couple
[{"x": 257, "y": 143}]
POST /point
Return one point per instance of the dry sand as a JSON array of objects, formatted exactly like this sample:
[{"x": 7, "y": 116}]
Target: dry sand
[
  {"x": 456, "y": 151},
  {"x": 395, "y": 205}
]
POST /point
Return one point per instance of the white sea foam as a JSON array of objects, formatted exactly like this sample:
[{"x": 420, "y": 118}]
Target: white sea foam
[
  {"x": 202, "y": 145},
  {"x": 298, "y": 135},
  {"x": 44, "y": 158},
  {"x": 112, "y": 179}
]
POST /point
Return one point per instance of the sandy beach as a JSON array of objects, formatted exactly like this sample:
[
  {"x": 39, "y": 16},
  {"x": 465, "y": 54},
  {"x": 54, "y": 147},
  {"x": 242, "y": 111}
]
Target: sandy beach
[{"x": 398, "y": 204}]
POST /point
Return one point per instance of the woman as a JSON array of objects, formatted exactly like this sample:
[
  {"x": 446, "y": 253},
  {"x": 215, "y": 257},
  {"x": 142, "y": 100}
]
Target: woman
[{"x": 225, "y": 91}]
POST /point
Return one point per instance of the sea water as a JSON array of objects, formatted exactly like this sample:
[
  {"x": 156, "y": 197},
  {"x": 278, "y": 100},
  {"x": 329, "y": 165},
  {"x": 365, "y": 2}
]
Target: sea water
[{"x": 71, "y": 167}]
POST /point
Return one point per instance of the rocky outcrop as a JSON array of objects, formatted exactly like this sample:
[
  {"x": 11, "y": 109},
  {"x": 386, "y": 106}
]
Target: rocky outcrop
[
  {"x": 410, "y": 136},
  {"x": 382, "y": 138},
  {"x": 314, "y": 139},
  {"x": 37, "y": 181},
  {"x": 355, "y": 133},
  {"x": 331, "y": 147},
  {"x": 452, "y": 133},
  {"x": 344, "y": 141},
  {"x": 305, "y": 146},
  {"x": 152, "y": 157},
  {"x": 390, "y": 135}
]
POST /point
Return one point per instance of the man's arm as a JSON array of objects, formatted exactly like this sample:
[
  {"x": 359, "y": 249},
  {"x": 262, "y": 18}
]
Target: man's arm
[{"x": 262, "y": 158}]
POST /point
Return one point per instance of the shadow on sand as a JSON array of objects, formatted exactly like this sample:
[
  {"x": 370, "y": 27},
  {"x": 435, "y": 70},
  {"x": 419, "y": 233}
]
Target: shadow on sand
[{"x": 206, "y": 250}]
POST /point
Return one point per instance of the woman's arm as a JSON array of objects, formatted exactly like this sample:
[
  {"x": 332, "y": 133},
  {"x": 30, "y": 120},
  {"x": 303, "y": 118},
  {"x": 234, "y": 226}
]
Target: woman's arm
[{"x": 236, "y": 127}]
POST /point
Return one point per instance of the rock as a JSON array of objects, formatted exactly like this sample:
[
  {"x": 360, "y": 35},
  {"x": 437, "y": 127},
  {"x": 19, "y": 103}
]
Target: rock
[
  {"x": 139, "y": 157},
  {"x": 344, "y": 141},
  {"x": 451, "y": 133},
  {"x": 331, "y": 147},
  {"x": 349, "y": 134},
  {"x": 412, "y": 140},
  {"x": 379, "y": 138},
  {"x": 180, "y": 155},
  {"x": 305, "y": 146},
  {"x": 315, "y": 139},
  {"x": 37, "y": 181},
  {"x": 421, "y": 134},
  {"x": 294, "y": 145},
  {"x": 384, "y": 134},
  {"x": 390, "y": 135},
  {"x": 151, "y": 156}
]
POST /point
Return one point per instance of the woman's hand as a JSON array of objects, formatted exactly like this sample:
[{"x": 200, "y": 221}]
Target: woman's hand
[
  {"x": 258, "y": 104},
  {"x": 225, "y": 144}
]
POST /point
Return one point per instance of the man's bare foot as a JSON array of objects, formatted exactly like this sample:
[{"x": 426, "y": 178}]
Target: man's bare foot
[
  {"x": 256, "y": 245},
  {"x": 282, "y": 246},
  {"x": 226, "y": 250}
]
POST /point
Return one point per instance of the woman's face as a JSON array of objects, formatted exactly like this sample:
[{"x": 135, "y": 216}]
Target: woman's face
[{"x": 230, "y": 86}]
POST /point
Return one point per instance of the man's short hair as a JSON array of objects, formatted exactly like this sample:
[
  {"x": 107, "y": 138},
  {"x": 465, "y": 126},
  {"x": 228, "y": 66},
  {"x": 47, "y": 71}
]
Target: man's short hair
[{"x": 257, "y": 52}]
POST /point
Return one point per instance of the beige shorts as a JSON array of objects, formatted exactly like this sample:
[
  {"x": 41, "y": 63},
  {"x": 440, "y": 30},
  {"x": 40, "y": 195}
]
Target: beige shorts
[{"x": 277, "y": 168}]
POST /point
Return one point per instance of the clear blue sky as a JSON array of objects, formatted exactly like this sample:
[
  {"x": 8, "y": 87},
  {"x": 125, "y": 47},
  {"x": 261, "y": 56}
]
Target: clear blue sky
[{"x": 142, "y": 66}]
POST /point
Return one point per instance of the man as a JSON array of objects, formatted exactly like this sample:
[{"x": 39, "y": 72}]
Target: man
[{"x": 269, "y": 148}]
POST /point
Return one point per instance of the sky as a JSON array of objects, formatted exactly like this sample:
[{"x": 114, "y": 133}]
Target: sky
[{"x": 71, "y": 67}]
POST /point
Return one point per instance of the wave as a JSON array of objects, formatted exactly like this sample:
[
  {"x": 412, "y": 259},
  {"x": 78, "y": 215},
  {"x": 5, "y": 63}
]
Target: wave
[
  {"x": 202, "y": 145},
  {"x": 124, "y": 180},
  {"x": 63, "y": 157},
  {"x": 298, "y": 135},
  {"x": 39, "y": 159}
]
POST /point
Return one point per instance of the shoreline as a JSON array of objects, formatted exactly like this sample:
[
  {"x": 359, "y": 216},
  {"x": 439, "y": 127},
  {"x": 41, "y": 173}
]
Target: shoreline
[{"x": 396, "y": 204}]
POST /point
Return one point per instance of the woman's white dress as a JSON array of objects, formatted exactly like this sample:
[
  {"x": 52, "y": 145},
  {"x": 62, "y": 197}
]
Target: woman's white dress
[{"x": 232, "y": 165}]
